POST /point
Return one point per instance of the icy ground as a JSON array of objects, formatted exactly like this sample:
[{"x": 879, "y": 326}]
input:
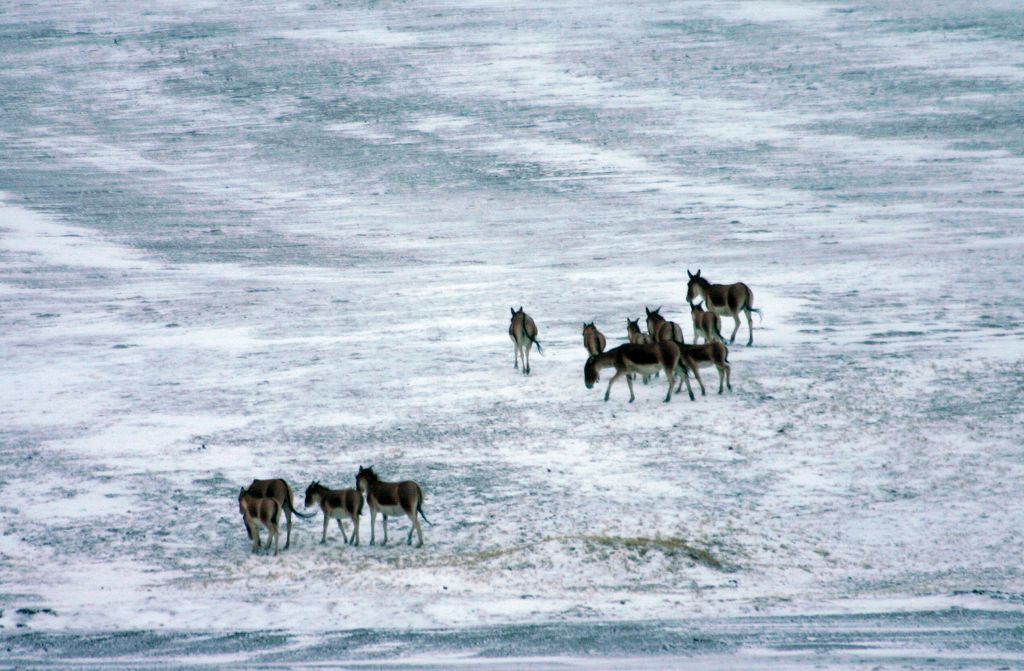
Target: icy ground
[{"x": 281, "y": 239}]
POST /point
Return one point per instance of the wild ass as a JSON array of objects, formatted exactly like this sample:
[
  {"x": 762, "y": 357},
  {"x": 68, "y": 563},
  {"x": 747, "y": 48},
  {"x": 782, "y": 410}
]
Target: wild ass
[
  {"x": 638, "y": 337},
  {"x": 706, "y": 324},
  {"x": 523, "y": 332},
  {"x": 280, "y": 491},
  {"x": 695, "y": 357},
  {"x": 265, "y": 511},
  {"x": 337, "y": 504},
  {"x": 726, "y": 300},
  {"x": 662, "y": 329},
  {"x": 593, "y": 340},
  {"x": 642, "y": 359},
  {"x": 391, "y": 498}
]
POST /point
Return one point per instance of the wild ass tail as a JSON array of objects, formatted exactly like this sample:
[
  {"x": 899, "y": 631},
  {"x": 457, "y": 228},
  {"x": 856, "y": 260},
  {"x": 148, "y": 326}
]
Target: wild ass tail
[
  {"x": 540, "y": 350},
  {"x": 290, "y": 505},
  {"x": 750, "y": 304},
  {"x": 419, "y": 509}
]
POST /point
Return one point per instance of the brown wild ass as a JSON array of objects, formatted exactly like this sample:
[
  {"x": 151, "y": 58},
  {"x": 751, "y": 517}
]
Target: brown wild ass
[
  {"x": 391, "y": 498},
  {"x": 662, "y": 329},
  {"x": 706, "y": 324},
  {"x": 695, "y": 357},
  {"x": 726, "y": 300},
  {"x": 337, "y": 504},
  {"x": 280, "y": 491},
  {"x": 523, "y": 332},
  {"x": 643, "y": 359},
  {"x": 593, "y": 339},
  {"x": 265, "y": 511},
  {"x": 637, "y": 337}
]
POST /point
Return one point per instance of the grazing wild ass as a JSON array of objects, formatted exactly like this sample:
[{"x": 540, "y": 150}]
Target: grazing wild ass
[
  {"x": 726, "y": 300},
  {"x": 280, "y": 491},
  {"x": 262, "y": 510},
  {"x": 391, "y": 498},
  {"x": 593, "y": 339},
  {"x": 643, "y": 359},
  {"x": 662, "y": 329},
  {"x": 523, "y": 332},
  {"x": 337, "y": 504},
  {"x": 695, "y": 357},
  {"x": 706, "y": 324}
]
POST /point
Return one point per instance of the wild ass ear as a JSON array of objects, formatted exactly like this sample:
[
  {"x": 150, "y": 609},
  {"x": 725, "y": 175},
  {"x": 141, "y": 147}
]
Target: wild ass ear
[
  {"x": 689, "y": 274},
  {"x": 513, "y": 310},
  {"x": 698, "y": 273},
  {"x": 648, "y": 310}
]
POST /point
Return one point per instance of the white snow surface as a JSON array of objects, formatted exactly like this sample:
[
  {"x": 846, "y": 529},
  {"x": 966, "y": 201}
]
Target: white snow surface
[{"x": 283, "y": 242}]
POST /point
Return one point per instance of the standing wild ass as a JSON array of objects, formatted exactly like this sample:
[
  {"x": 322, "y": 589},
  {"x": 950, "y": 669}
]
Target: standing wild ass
[
  {"x": 637, "y": 337},
  {"x": 643, "y": 359},
  {"x": 706, "y": 324},
  {"x": 726, "y": 300},
  {"x": 593, "y": 339},
  {"x": 695, "y": 357},
  {"x": 662, "y": 329},
  {"x": 523, "y": 332},
  {"x": 336, "y": 504},
  {"x": 391, "y": 498},
  {"x": 280, "y": 491},
  {"x": 265, "y": 511}
]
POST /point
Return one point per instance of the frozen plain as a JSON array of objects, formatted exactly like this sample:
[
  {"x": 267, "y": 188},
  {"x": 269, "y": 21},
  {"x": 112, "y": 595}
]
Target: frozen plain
[{"x": 282, "y": 239}]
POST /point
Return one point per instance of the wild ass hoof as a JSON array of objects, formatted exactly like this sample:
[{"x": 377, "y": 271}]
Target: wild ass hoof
[
  {"x": 692, "y": 397},
  {"x": 420, "y": 544}
]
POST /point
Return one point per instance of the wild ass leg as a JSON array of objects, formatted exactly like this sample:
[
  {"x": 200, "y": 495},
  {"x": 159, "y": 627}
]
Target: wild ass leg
[
  {"x": 696, "y": 375},
  {"x": 256, "y": 544},
  {"x": 344, "y": 536},
  {"x": 323, "y": 538},
  {"x": 736, "y": 317},
  {"x": 275, "y": 531},
  {"x": 728, "y": 376},
  {"x": 671, "y": 383},
  {"x": 415, "y": 527},
  {"x": 385, "y": 530},
  {"x": 288, "y": 517},
  {"x": 529, "y": 345},
  {"x": 750, "y": 325},
  {"x": 515, "y": 345},
  {"x": 615, "y": 377},
  {"x": 373, "y": 523},
  {"x": 629, "y": 382}
]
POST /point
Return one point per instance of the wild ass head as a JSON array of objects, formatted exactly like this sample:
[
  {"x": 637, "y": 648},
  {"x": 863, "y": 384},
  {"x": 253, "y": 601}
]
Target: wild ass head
[
  {"x": 313, "y": 492},
  {"x": 365, "y": 477},
  {"x": 694, "y": 286}
]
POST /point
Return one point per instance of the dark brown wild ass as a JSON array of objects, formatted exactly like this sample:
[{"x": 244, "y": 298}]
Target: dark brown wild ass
[
  {"x": 523, "y": 332},
  {"x": 280, "y": 491},
  {"x": 695, "y": 357},
  {"x": 337, "y": 504},
  {"x": 261, "y": 510},
  {"x": 391, "y": 498},
  {"x": 725, "y": 300},
  {"x": 631, "y": 359},
  {"x": 593, "y": 340}
]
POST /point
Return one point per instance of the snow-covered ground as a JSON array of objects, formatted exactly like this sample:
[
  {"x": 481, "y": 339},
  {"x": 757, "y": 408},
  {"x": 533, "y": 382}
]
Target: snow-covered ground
[{"x": 282, "y": 240}]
